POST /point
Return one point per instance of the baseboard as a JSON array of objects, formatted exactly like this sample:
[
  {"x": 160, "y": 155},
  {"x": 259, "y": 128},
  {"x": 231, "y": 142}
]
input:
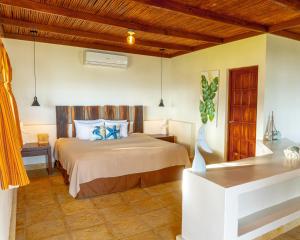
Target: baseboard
[{"x": 13, "y": 217}]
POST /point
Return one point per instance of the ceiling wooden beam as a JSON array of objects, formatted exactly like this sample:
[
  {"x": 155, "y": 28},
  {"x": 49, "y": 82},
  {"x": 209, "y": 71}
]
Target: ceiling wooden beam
[
  {"x": 292, "y": 4},
  {"x": 85, "y": 45},
  {"x": 90, "y": 35},
  {"x": 295, "y": 22},
  {"x": 46, "y": 8},
  {"x": 203, "y": 13},
  {"x": 288, "y": 34}
]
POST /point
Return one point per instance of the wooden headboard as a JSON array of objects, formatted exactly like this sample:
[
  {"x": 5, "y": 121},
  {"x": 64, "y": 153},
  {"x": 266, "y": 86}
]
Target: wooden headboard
[{"x": 66, "y": 115}]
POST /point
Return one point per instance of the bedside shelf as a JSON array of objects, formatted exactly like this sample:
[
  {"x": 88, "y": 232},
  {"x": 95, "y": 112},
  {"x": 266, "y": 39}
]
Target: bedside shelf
[{"x": 35, "y": 149}]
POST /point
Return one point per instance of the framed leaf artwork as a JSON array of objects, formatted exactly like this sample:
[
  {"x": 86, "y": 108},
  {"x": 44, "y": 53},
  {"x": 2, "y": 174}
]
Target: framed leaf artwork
[{"x": 209, "y": 102}]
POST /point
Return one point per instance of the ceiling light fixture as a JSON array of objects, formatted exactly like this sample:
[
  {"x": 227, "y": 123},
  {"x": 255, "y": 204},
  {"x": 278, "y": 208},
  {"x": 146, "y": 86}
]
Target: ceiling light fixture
[
  {"x": 161, "y": 103},
  {"x": 35, "y": 102},
  {"x": 130, "y": 37}
]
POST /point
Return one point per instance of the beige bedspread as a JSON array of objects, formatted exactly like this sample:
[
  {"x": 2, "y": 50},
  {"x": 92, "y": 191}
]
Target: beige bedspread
[{"x": 88, "y": 160}]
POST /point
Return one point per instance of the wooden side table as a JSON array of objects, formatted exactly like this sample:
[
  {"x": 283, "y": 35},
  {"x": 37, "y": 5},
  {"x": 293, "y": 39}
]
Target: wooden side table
[
  {"x": 34, "y": 149},
  {"x": 164, "y": 137}
]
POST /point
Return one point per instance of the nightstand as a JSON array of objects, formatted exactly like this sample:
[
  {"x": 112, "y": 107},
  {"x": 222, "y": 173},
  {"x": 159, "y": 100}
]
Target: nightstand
[
  {"x": 34, "y": 149},
  {"x": 164, "y": 137}
]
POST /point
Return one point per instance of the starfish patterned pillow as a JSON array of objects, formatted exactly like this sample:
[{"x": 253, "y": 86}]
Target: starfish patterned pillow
[
  {"x": 112, "y": 131},
  {"x": 98, "y": 133}
]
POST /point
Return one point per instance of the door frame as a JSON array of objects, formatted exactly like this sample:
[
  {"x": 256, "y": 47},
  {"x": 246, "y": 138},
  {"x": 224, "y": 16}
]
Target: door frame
[{"x": 228, "y": 85}]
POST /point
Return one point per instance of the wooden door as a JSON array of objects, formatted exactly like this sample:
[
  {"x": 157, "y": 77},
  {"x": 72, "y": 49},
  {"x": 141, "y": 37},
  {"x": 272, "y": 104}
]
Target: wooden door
[{"x": 242, "y": 112}]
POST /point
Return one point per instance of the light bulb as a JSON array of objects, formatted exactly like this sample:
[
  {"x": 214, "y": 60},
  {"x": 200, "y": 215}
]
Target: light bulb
[{"x": 130, "y": 37}]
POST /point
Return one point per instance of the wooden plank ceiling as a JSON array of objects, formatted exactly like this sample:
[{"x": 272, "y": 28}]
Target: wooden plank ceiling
[{"x": 178, "y": 26}]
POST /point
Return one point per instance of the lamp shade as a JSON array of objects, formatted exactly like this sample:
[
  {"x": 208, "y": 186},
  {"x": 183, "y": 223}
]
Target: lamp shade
[
  {"x": 161, "y": 103},
  {"x": 35, "y": 102}
]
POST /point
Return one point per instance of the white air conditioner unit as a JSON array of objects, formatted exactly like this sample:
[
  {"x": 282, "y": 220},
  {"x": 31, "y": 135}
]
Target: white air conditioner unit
[{"x": 105, "y": 59}]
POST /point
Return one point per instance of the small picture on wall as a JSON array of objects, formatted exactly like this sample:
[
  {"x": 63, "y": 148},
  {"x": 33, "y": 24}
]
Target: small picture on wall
[{"x": 209, "y": 104}]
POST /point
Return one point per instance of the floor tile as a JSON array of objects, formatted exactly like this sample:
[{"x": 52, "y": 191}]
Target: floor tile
[
  {"x": 147, "y": 205},
  {"x": 168, "y": 232},
  {"x": 20, "y": 220},
  {"x": 59, "y": 189},
  {"x": 285, "y": 237},
  {"x": 106, "y": 201},
  {"x": 38, "y": 189},
  {"x": 119, "y": 211},
  {"x": 149, "y": 235},
  {"x": 20, "y": 233},
  {"x": 295, "y": 233},
  {"x": 43, "y": 214},
  {"x": 158, "y": 189},
  {"x": 42, "y": 201},
  {"x": 99, "y": 232},
  {"x": 59, "y": 237},
  {"x": 177, "y": 209},
  {"x": 160, "y": 217},
  {"x": 174, "y": 186},
  {"x": 169, "y": 199},
  {"x": 134, "y": 195},
  {"x": 128, "y": 226},
  {"x": 77, "y": 206},
  {"x": 45, "y": 229},
  {"x": 57, "y": 180},
  {"x": 83, "y": 219},
  {"x": 20, "y": 205},
  {"x": 64, "y": 197}
]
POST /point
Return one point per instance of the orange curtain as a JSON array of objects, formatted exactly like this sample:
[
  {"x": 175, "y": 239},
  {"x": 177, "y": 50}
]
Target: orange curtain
[{"x": 12, "y": 171}]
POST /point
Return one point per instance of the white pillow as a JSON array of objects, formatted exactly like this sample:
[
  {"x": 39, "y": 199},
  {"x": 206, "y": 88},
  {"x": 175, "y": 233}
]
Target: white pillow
[
  {"x": 85, "y": 131},
  {"x": 123, "y": 126},
  {"x": 88, "y": 121}
]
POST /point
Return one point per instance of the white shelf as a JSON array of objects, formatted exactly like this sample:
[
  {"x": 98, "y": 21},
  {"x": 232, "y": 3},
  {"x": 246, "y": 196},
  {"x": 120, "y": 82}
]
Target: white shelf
[{"x": 279, "y": 214}]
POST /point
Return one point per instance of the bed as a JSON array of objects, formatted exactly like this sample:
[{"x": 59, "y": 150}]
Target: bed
[{"x": 93, "y": 168}]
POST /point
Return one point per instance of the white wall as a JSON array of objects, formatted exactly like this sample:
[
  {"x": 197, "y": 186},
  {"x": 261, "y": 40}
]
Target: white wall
[
  {"x": 6, "y": 198},
  {"x": 62, "y": 79},
  {"x": 283, "y": 85},
  {"x": 185, "y": 89}
]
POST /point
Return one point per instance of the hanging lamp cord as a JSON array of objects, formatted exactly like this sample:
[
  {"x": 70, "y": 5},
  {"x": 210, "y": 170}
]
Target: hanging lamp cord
[
  {"x": 161, "y": 72},
  {"x": 34, "y": 68}
]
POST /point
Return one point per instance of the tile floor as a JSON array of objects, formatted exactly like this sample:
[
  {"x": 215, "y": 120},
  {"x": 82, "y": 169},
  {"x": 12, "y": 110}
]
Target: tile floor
[{"x": 46, "y": 211}]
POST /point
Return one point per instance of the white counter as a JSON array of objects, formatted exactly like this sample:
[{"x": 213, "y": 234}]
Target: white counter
[{"x": 242, "y": 199}]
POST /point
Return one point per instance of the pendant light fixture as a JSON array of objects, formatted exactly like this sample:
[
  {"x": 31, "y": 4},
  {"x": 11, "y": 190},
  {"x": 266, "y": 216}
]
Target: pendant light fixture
[
  {"x": 130, "y": 37},
  {"x": 161, "y": 103},
  {"x": 35, "y": 102}
]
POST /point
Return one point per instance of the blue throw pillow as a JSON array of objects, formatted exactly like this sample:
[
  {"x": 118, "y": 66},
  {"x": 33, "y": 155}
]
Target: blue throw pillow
[
  {"x": 113, "y": 132},
  {"x": 98, "y": 133}
]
